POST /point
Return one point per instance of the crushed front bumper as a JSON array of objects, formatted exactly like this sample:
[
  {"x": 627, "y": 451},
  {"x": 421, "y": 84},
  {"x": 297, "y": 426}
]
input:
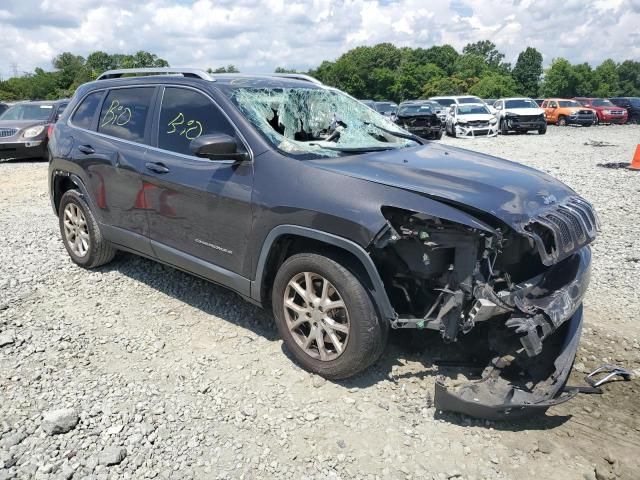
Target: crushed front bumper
[
  {"x": 18, "y": 150},
  {"x": 469, "y": 131},
  {"x": 529, "y": 379},
  {"x": 519, "y": 123}
]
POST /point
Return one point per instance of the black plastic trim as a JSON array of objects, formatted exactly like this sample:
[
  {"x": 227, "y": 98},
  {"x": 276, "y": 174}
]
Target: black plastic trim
[{"x": 378, "y": 291}]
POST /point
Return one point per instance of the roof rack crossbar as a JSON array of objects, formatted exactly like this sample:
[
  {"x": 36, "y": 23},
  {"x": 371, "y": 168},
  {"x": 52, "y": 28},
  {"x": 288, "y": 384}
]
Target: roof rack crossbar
[{"x": 185, "y": 72}]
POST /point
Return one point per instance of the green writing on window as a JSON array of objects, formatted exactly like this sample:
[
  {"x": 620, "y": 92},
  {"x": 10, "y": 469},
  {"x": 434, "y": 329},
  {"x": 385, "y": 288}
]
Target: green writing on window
[
  {"x": 190, "y": 129},
  {"x": 116, "y": 115}
]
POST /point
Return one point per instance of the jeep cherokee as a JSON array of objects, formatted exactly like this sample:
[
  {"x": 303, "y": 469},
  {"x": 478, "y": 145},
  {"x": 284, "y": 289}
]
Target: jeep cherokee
[{"x": 300, "y": 198}]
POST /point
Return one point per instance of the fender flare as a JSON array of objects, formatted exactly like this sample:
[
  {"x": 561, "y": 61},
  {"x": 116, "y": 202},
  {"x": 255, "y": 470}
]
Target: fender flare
[{"x": 377, "y": 291}]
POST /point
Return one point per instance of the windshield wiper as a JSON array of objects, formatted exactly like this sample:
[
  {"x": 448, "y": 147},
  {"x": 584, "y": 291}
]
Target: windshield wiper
[{"x": 408, "y": 136}]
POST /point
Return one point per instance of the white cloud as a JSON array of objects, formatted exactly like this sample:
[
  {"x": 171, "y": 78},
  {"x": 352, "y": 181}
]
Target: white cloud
[{"x": 260, "y": 35}]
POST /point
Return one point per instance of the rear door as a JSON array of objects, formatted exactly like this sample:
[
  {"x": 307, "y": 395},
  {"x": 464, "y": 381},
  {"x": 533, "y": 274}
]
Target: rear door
[
  {"x": 111, "y": 153},
  {"x": 199, "y": 209}
]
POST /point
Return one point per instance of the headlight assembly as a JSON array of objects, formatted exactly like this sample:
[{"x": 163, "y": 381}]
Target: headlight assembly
[
  {"x": 493, "y": 121},
  {"x": 33, "y": 131}
]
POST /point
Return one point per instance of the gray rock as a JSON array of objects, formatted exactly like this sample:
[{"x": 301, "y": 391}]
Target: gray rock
[
  {"x": 7, "y": 338},
  {"x": 60, "y": 421},
  {"x": 112, "y": 456},
  {"x": 546, "y": 446},
  {"x": 13, "y": 439}
]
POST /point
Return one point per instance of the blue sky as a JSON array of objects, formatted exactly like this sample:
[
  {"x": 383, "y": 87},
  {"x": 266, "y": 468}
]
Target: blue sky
[{"x": 259, "y": 35}]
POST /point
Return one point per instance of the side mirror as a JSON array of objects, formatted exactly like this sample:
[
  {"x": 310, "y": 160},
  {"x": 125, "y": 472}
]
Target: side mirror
[{"x": 217, "y": 146}]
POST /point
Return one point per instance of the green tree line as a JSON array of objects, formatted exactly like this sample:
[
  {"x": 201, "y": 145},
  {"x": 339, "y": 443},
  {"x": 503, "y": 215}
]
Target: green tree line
[{"x": 382, "y": 72}]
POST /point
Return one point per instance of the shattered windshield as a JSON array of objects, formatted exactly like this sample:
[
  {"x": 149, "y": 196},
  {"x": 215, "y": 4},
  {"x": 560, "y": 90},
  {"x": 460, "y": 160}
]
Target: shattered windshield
[{"x": 318, "y": 121}]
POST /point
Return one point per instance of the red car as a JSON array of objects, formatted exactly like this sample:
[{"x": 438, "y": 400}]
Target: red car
[{"x": 606, "y": 111}]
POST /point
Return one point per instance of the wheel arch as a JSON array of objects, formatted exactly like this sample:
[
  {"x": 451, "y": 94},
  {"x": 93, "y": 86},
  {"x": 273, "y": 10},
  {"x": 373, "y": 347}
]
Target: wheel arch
[
  {"x": 61, "y": 183},
  {"x": 286, "y": 240}
]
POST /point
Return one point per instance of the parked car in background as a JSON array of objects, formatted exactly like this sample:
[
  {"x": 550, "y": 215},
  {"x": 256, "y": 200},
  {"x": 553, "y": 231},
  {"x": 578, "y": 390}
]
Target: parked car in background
[
  {"x": 369, "y": 103},
  {"x": 388, "y": 109},
  {"x": 519, "y": 114},
  {"x": 471, "y": 120},
  {"x": 3, "y": 107},
  {"x": 448, "y": 101},
  {"x": 24, "y": 128},
  {"x": 562, "y": 111},
  {"x": 489, "y": 101},
  {"x": 420, "y": 118},
  {"x": 632, "y": 104},
  {"x": 539, "y": 101},
  {"x": 336, "y": 219},
  {"x": 606, "y": 111}
]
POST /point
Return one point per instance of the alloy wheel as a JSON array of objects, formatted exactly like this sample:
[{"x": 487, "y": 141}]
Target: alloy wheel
[
  {"x": 316, "y": 316},
  {"x": 76, "y": 231}
]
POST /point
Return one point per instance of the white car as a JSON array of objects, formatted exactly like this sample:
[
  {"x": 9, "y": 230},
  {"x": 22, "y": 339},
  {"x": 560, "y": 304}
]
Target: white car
[
  {"x": 471, "y": 120},
  {"x": 520, "y": 115},
  {"x": 449, "y": 100}
]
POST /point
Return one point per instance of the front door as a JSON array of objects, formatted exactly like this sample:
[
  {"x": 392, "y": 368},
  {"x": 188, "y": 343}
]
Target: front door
[{"x": 198, "y": 209}]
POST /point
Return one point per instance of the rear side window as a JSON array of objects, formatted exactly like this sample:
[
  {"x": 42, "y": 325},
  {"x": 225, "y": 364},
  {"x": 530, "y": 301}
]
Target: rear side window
[
  {"x": 124, "y": 113},
  {"x": 186, "y": 115},
  {"x": 84, "y": 114}
]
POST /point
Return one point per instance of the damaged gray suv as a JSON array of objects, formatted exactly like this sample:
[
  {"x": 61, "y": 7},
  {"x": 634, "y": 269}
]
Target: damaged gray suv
[{"x": 303, "y": 200}]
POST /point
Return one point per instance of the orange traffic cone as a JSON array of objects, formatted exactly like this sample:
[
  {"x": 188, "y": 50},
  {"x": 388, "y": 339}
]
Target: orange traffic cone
[{"x": 635, "y": 163}]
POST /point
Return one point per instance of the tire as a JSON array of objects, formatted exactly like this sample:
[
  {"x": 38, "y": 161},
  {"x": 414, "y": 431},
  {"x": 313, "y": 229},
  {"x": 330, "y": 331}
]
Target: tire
[
  {"x": 542, "y": 130},
  {"x": 596, "y": 121},
  {"x": 362, "y": 336},
  {"x": 453, "y": 131},
  {"x": 98, "y": 251},
  {"x": 562, "y": 121},
  {"x": 438, "y": 135},
  {"x": 503, "y": 128}
]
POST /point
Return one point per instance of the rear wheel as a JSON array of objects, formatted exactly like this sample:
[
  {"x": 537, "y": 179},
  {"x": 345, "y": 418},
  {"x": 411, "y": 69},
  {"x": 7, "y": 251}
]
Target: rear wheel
[
  {"x": 326, "y": 317},
  {"x": 80, "y": 232},
  {"x": 562, "y": 121}
]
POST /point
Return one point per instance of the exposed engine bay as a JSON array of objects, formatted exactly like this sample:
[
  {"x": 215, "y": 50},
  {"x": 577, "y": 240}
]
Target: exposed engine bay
[{"x": 524, "y": 289}]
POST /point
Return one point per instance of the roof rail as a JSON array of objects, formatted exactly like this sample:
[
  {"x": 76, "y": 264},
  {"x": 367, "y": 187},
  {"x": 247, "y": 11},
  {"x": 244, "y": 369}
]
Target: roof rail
[
  {"x": 299, "y": 76},
  {"x": 185, "y": 72}
]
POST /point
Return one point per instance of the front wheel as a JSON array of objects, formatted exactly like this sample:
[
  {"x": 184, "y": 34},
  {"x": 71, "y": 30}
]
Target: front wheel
[
  {"x": 326, "y": 317},
  {"x": 562, "y": 121},
  {"x": 542, "y": 130},
  {"x": 503, "y": 128}
]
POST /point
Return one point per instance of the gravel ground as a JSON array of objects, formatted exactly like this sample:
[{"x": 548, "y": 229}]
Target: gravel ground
[{"x": 137, "y": 370}]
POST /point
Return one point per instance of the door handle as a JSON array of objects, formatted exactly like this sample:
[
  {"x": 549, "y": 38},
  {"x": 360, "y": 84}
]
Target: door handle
[
  {"x": 86, "y": 149},
  {"x": 156, "y": 167}
]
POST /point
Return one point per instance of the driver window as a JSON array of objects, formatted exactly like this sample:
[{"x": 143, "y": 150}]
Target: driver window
[{"x": 184, "y": 116}]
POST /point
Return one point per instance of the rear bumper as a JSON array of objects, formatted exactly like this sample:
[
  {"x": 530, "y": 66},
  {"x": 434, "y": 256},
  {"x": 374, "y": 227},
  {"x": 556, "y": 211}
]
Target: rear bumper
[
  {"x": 515, "y": 384},
  {"x": 30, "y": 149}
]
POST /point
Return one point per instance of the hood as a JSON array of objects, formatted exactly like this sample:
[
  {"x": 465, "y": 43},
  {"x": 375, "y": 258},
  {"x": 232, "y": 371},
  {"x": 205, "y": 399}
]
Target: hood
[
  {"x": 21, "y": 124},
  {"x": 475, "y": 116},
  {"x": 506, "y": 190},
  {"x": 525, "y": 111}
]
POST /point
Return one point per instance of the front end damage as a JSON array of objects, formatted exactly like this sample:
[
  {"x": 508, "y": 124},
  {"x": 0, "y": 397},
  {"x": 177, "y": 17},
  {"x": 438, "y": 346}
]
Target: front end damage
[
  {"x": 519, "y": 287},
  {"x": 476, "y": 128}
]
